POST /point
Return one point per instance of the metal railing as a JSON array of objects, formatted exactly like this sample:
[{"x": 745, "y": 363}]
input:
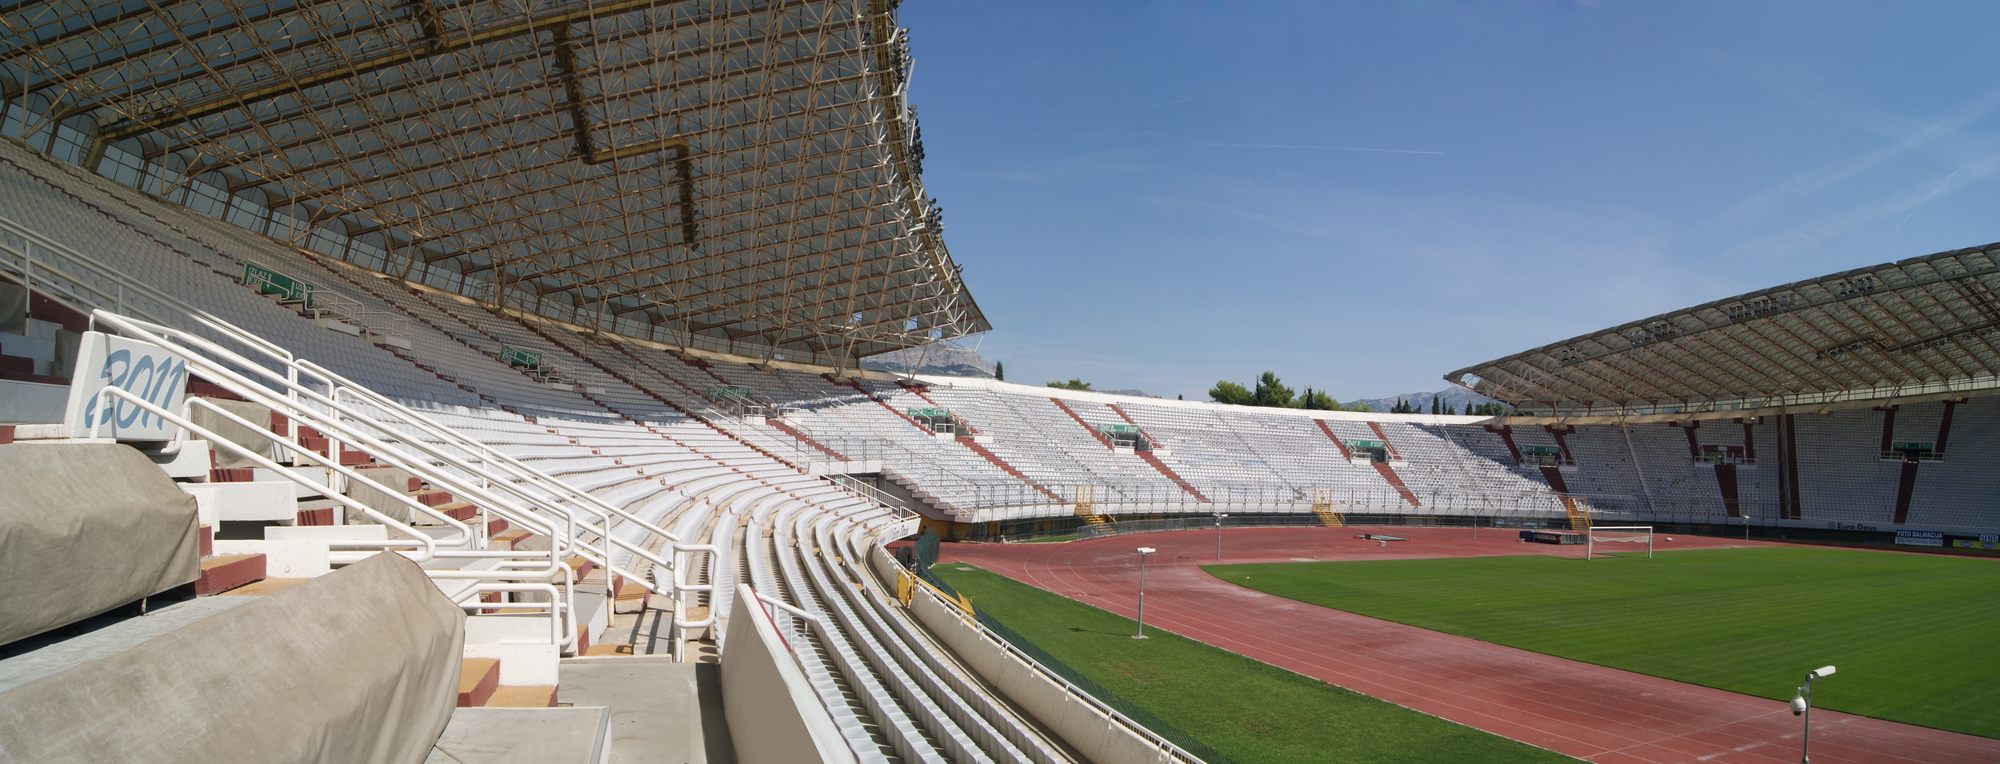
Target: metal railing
[
  {"x": 576, "y": 520},
  {"x": 512, "y": 570}
]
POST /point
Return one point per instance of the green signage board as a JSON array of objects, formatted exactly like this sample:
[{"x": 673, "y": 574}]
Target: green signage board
[
  {"x": 269, "y": 281},
  {"x": 526, "y": 359}
]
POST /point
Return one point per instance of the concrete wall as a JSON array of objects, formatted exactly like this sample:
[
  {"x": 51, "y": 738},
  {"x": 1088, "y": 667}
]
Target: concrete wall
[
  {"x": 1081, "y": 724},
  {"x": 774, "y": 714}
]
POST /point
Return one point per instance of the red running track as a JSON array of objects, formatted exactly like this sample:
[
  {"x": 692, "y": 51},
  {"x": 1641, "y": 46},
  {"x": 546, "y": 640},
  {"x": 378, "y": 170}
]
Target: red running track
[{"x": 1583, "y": 710}]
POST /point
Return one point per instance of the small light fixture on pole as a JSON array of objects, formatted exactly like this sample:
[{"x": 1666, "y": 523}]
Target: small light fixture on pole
[
  {"x": 1144, "y": 552},
  {"x": 1746, "y": 527},
  {"x": 1802, "y": 706},
  {"x": 1218, "y": 534}
]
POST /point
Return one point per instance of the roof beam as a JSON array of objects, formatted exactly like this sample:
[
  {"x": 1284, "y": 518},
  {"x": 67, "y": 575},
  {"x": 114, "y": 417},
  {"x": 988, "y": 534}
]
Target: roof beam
[{"x": 305, "y": 80}]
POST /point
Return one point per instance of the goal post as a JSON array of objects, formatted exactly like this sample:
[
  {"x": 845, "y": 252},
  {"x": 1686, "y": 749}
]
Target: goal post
[{"x": 1618, "y": 534}]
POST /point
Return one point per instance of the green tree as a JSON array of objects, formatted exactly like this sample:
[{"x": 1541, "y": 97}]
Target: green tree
[
  {"x": 1000, "y": 371},
  {"x": 1271, "y": 392},
  {"x": 1359, "y": 406},
  {"x": 1072, "y": 384},
  {"x": 1318, "y": 400},
  {"x": 1226, "y": 391},
  {"x": 1436, "y": 406}
]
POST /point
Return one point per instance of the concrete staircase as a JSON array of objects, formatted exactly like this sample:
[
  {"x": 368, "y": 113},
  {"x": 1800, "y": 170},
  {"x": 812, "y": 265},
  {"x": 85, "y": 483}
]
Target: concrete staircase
[
  {"x": 1388, "y": 473},
  {"x": 968, "y": 442},
  {"x": 1337, "y": 443}
]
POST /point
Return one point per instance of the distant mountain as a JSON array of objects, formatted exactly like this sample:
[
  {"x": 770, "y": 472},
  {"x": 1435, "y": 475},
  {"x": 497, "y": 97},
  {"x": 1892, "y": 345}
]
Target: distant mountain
[
  {"x": 938, "y": 358},
  {"x": 1455, "y": 398}
]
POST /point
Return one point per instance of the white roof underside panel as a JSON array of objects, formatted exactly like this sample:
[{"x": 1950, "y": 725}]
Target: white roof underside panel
[
  {"x": 1922, "y": 326},
  {"x": 741, "y": 172}
]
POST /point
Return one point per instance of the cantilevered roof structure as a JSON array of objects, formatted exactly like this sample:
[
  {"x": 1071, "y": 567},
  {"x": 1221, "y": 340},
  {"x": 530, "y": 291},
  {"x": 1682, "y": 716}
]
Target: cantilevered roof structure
[
  {"x": 728, "y": 174},
  {"x": 1918, "y": 327}
]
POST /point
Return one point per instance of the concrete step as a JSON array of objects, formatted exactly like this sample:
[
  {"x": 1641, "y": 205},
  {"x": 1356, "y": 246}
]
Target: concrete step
[
  {"x": 457, "y": 510},
  {"x": 538, "y": 696},
  {"x": 245, "y": 502},
  {"x": 264, "y": 587},
  {"x": 514, "y": 735},
  {"x": 224, "y": 572},
  {"x": 478, "y": 679},
  {"x": 507, "y": 539},
  {"x": 660, "y": 710},
  {"x": 629, "y": 596},
  {"x": 102, "y": 636}
]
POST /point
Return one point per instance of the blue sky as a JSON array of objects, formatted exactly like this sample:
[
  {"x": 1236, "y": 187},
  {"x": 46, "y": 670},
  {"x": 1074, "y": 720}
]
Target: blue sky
[{"x": 1364, "y": 196}]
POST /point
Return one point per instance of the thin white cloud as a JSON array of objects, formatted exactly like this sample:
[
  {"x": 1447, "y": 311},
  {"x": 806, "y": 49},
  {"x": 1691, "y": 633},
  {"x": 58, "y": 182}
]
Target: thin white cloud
[
  {"x": 1917, "y": 137},
  {"x": 1904, "y": 202},
  {"x": 1308, "y": 147},
  {"x": 1927, "y": 199}
]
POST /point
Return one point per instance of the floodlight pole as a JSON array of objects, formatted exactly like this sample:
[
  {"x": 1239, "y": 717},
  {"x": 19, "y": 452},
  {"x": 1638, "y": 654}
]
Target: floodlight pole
[
  {"x": 1802, "y": 705},
  {"x": 1805, "y": 738},
  {"x": 1218, "y": 535},
  {"x": 1144, "y": 552},
  {"x": 1746, "y": 527}
]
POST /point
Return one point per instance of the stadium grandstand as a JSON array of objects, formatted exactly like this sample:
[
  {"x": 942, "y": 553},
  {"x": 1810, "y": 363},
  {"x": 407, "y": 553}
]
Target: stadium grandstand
[{"x": 480, "y": 381}]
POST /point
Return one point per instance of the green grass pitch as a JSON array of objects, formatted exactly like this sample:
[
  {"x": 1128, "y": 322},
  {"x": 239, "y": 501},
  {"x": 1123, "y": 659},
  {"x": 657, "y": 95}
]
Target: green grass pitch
[
  {"x": 1916, "y": 637},
  {"x": 1248, "y": 711}
]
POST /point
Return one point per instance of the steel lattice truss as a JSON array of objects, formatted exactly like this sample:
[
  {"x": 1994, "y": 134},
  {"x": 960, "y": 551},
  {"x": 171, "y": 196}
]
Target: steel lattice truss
[
  {"x": 735, "y": 172},
  {"x": 1923, "y": 326}
]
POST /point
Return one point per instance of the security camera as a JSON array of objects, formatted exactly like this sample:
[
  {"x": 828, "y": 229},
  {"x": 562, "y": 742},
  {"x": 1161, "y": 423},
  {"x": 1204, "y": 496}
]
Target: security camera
[
  {"x": 1798, "y": 704},
  {"x": 1821, "y": 672}
]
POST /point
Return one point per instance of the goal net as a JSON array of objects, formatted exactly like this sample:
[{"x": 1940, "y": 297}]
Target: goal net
[{"x": 1618, "y": 534}]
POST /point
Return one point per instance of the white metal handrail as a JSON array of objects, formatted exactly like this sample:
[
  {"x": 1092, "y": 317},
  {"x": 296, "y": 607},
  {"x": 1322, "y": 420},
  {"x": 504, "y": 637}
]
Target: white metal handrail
[
  {"x": 340, "y": 429},
  {"x": 89, "y": 291},
  {"x": 492, "y": 459},
  {"x": 562, "y": 600}
]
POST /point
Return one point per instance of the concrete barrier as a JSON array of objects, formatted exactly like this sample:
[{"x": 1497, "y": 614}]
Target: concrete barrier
[
  {"x": 773, "y": 712},
  {"x": 1078, "y": 720},
  {"x": 357, "y": 665},
  {"x": 85, "y": 528}
]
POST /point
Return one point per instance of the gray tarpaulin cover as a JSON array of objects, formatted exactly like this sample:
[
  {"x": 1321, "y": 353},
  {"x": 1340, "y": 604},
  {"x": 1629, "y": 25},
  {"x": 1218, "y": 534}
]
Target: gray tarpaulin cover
[
  {"x": 236, "y": 433},
  {"x": 396, "y": 479},
  {"x": 360, "y": 665},
  {"x": 86, "y": 528}
]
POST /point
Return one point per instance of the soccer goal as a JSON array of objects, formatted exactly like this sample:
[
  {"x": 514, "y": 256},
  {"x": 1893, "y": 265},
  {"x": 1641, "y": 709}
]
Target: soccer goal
[{"x": 1618, "y": 534}]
